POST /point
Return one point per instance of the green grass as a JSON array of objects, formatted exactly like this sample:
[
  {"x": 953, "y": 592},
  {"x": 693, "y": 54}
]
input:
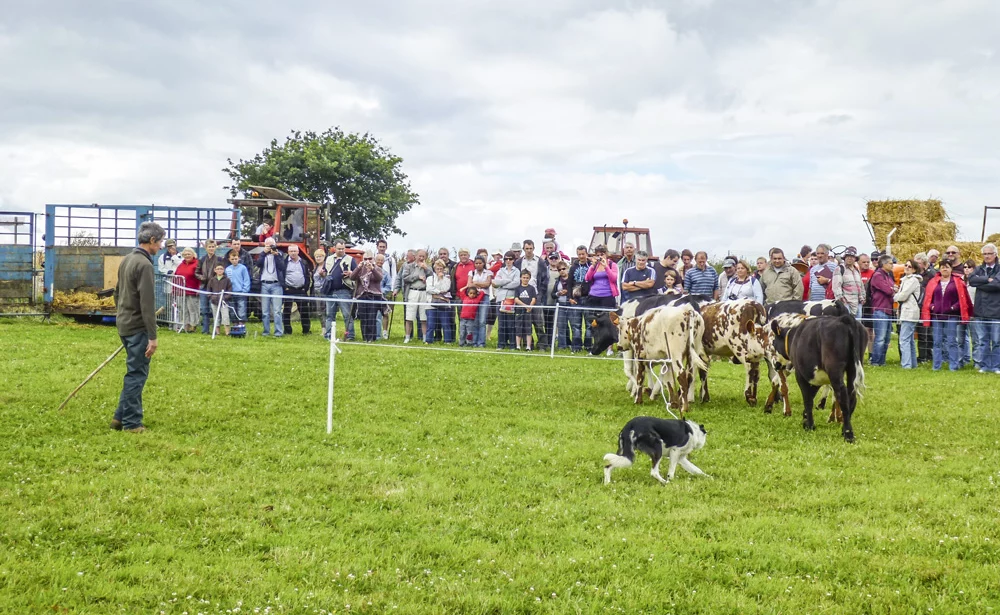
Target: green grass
[{"x": 471, "y": 483}]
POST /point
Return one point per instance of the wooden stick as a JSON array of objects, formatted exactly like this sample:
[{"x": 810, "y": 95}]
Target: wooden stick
[{"x": 99, "y": 368}]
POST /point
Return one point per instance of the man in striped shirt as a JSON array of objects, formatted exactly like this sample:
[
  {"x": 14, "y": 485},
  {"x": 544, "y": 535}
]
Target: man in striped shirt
[{"x": 702, "y": 279}]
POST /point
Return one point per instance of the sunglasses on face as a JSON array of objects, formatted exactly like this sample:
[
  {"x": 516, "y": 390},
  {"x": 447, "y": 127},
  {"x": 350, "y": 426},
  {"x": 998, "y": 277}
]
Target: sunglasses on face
[{"x": 563, "y": 269}]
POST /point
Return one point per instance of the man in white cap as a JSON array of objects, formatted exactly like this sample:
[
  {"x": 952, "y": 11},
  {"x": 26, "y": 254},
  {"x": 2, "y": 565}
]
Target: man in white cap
[{"x": 728, "y": 271}]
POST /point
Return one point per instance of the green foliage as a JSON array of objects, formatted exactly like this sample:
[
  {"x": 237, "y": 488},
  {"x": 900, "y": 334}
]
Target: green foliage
[
  {"x": 359, "y": 181},
  {"x": 471, "y": 483}
]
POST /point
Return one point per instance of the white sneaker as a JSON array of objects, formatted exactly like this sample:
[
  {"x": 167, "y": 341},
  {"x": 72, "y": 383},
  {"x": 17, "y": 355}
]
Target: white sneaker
[
  {"x": 983, "y": 371},
  {"x": 406, "y": 340},
  {"x": 385, "y": 335}
]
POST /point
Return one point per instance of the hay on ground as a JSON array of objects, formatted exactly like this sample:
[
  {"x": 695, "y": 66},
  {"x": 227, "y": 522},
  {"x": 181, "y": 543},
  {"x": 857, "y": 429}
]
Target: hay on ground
[
  {"x": 888, "y": 212},
  {"x": 81, "y": 301},
  {"x": 915, "y": 232}
]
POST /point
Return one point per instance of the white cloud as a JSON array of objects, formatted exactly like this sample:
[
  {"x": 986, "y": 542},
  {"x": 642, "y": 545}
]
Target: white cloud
[{"x": 720, "y": 126}]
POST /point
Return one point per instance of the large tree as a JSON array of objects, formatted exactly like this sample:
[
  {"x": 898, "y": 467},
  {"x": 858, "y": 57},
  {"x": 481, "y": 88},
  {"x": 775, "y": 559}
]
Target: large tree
[{"x": 358, "y": 181}]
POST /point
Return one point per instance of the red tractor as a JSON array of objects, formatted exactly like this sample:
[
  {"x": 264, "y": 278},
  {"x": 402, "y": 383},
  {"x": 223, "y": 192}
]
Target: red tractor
[{"x": 614, "y": 239}]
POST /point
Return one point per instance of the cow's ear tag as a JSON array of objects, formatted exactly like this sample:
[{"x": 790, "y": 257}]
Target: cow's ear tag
[
  {"x": 593, "y": 323},
  {"x": 614, "y": 318}
]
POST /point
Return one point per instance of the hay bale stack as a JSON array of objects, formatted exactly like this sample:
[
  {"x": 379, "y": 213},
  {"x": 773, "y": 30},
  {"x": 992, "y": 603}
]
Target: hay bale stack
[
  {"x": 894, "y": 212},
  {"x": 994, "y": 239},
  {"x": 916, "y": 231},
  {"x": 968, "y": 249}
]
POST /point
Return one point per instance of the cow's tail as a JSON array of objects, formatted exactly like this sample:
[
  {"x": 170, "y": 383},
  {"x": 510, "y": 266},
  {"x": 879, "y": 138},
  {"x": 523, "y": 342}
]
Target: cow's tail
[
  {"x": 695, "y": 341},
  {"x": 857, "y": 342},
  {"x": 626, "y": 451}
]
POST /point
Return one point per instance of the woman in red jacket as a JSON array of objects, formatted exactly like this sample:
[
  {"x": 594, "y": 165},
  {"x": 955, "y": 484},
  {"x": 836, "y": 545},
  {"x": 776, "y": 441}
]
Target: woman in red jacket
[
  {"x": 189, "y": 312},
  {"x": 946, "y": 303}
]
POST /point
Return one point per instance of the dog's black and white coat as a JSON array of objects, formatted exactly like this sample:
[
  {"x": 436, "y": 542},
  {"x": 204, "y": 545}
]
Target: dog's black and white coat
[{"x": 651, "y": 436}]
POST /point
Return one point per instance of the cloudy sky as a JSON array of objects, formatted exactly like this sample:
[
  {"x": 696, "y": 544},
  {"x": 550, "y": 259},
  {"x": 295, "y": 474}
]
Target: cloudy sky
[{"x": 729, "y": 126}]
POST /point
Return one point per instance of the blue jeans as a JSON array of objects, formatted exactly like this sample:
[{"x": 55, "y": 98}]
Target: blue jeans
[
  {"x": 964, "y": 349},
  {"x": 907, "y": 345},
  {"x": 945, "y": 332},
  {"x": 562, "y": 326},
  {"x": 988, "y": 344},
  {"x": 479, "y": 332},
  {"x": 579, "y": 324},
  {"x": 505, "y": 330},
  {"x": 240, "y": 305},
  {"x": 270, "y": 308},
  {"x": 207, "y": 313},
  {"x": 129, "y": 410},
  {"x": 883, "y": 332},
  {"x": 340, "y": 301},
  {"x": 438, "y": 321}
]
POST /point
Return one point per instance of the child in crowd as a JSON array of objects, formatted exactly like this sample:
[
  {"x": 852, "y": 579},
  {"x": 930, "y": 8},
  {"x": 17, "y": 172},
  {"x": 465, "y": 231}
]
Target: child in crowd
[
  {"x": 220, "y": 287},
  {"x": 239, "y": 279},
  {"x": 471, "y": 298},
  {"x": 525, "y": 296}
]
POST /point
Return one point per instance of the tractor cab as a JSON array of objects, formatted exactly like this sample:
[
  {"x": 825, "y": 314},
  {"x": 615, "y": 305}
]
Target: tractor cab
[
  {"x": 614, "y": 239},
  {"x": 270, "y": 212}
]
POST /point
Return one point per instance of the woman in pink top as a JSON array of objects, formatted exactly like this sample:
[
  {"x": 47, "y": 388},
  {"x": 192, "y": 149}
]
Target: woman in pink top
[{"x": 603, "y": 278}]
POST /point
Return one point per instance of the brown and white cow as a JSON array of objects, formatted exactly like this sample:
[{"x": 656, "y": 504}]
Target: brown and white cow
[
  {"x": 737, "y": 330},
  {"x": 671, "y": 335}
]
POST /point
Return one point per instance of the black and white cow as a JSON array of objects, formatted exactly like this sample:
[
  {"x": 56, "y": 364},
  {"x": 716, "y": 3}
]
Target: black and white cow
[
  {"x": 824, "y": 307},
  {"x": 824, "y": 351}
]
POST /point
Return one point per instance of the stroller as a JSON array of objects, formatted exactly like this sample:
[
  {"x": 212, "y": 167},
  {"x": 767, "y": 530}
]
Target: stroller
[{"x": 238, "y": 328}]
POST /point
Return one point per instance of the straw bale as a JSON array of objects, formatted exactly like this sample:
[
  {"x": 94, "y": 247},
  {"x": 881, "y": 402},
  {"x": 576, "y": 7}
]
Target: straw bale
[
  {"x": 967, "y": 249},
  {"x": 915, "y": 232},
  {"x": 889, "y": 212},
  {"x": 994, "y": 238},
  {"x": 81, "y": 301}
]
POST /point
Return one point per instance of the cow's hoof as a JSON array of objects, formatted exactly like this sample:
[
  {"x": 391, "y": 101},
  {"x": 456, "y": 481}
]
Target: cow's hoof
[
  {"x": 786, "y": 414},
  {"x": 808, "y": 427},
  {"x": 832, "y": 419},
  {"x": 849, "y": 437},
  {"x": 752, "y": 401},
  {"x": 767, "y": 409}
]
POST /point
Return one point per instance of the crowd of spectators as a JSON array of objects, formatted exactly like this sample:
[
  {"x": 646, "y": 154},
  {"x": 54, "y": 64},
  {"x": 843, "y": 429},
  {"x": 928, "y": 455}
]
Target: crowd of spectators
[{"x": 947, "y": 310}]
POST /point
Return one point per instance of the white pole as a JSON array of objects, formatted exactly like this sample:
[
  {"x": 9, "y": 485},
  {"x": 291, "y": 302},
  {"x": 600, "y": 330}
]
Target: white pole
[
  {"x": 329, "y": 387},
  {"x": 555, "y": 327},
  {"x": 218, "y": 310}
]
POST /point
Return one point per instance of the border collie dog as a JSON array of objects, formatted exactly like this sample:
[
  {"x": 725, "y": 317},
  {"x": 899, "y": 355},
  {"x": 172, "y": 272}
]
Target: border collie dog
[{"x": 652, "y": 436}]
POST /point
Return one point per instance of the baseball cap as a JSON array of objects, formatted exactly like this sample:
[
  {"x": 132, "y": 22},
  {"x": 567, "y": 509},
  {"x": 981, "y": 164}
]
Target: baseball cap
[
  {"x": 553, "y": 256},
  {"x": 172, "y": 242},
  {"x": 729, "y": 262},
  {"x": 516, "y": 246}
]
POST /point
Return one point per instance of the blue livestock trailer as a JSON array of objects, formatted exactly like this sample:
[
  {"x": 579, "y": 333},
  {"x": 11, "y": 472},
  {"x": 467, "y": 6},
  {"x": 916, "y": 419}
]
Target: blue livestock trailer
[
  {"x": 20, "y": 262},
  {"x": 84, "y": 244}
]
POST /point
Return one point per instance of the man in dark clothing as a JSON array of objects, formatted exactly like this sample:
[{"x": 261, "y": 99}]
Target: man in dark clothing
[
  {"x": 986, "y": 280},
  {"x": 136, "y": 321}
]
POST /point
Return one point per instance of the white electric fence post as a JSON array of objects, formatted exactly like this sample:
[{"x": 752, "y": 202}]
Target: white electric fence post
[
  {"x": 555, "y": 327},
  {"x": 329, "y": 386},
  {"x": 218, "y": 310}
]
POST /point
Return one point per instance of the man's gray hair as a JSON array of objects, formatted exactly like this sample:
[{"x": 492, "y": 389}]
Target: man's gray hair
[
  {"x": 921, "y": 257},
  {"x": 150, "y": 232},
  {"x": 642, "y": 254},
  {"x": 825, "y": 247},
  {"x": 989, "y": 246},
  {"x": 882, "y": 260}
]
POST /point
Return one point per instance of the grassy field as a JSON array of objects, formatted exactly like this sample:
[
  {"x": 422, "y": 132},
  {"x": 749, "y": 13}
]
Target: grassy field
[{"x": 471, "y": 483}]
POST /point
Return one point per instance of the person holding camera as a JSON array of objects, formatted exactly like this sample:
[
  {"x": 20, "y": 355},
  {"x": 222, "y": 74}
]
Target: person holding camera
[
  {"x": 339, "y": 287},
  {"x": 368, "y": 292},
  {"x": 272, "y": 281},
  {"x": 602, "y": 275}
]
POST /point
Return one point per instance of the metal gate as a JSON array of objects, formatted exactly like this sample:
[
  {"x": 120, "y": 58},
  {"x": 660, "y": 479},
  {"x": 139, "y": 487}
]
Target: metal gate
[
  {"x": 85, "y": 243},
  {"x": 20, "y": 262}
]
